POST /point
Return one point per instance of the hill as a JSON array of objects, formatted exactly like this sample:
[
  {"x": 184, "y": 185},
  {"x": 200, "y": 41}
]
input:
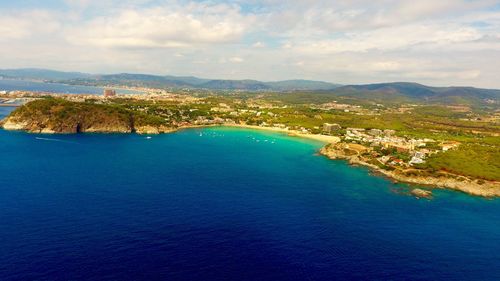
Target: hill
[
  {"x": 297, "y": 85},
  {"x": 250, "y": 85},
  {"x": 53, "y": 115},
  {"x": 41, "y": 74},
  {"x": 132, "y": 80},
  {"x": 413, "y": 92},
  {"x": 157, "y": 81}
]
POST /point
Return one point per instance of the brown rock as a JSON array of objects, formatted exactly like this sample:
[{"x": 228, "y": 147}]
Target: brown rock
[{"x": 420, "y": 193}]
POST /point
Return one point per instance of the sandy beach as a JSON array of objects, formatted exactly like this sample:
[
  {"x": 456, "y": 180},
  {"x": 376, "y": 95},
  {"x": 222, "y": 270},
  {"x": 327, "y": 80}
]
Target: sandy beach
[{"x": 292, "y": 133}]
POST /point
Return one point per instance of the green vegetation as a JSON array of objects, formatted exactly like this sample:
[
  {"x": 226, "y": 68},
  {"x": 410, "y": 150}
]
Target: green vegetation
[
  {"x": 64, "y": 116},
  {"x": 476, "y": 160}
]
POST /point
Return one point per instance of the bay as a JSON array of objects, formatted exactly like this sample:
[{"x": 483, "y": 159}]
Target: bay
[{"x": 225, "y": 204}]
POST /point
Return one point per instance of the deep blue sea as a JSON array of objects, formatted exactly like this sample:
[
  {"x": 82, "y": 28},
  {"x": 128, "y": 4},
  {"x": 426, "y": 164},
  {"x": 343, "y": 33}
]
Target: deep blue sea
[
  {"x": 225, "y": 204},
  {"x": 21, "y": 85}
]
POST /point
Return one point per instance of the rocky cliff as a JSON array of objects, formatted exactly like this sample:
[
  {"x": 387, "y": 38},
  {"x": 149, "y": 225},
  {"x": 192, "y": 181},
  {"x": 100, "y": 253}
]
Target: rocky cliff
[{"x": 61, "y": 116}]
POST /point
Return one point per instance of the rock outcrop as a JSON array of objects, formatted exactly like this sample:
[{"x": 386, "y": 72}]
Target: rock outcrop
[
  {"x": 153, "y": 130},
  {"x": 420, "y": 193},
  {"x": 79, "y": 125},
  {"x": 55, "y": 116}
]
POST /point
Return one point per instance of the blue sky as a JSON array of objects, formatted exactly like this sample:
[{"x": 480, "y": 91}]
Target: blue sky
[{"x": 446, "y": 42}]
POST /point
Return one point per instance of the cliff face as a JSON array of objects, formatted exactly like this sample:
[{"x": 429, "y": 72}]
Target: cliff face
[
  {"x": 153, "y": 130},
  {"x": 60, "y": 116},
  {"x": 50, "y": 126}
]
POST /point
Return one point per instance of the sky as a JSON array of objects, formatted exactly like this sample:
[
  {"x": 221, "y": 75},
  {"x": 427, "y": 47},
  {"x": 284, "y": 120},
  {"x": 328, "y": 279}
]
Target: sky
[{"x": 434, "y": 42}]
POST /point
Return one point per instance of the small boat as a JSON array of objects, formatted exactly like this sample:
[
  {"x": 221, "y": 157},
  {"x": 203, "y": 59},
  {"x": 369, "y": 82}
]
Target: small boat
[{"x": 148, "y": 138}]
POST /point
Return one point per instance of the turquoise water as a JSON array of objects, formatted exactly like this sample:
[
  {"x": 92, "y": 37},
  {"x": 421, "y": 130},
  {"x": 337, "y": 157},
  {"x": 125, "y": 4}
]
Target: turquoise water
[
  {"x": 20, "y": 85},
  {"x": 225, "y": 204}
]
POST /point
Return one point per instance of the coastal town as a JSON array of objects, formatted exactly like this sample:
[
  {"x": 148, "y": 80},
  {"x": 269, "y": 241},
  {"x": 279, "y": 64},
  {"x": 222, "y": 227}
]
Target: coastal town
[{"x": 385, "y": 146}]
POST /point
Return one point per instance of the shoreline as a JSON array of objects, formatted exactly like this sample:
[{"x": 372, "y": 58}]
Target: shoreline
[
  {"x": 488, "y": 189},
  {"x": 292, "y": 133},
  {"x": 469, "y": 186}
]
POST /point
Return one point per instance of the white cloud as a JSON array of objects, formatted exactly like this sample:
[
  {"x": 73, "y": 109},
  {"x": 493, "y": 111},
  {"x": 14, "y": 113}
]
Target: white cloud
[
  {"x": 392, "y": 39},
  {"x": 326, "y": 16},
  {"x": 27, "y": 24},
  {"x": 259, "y": 45},
  {"x": 79, "y": 3},
  {"x": 236, "y": 60},
  {"x": 385, "y": 66},
  {"x": 164, "y": 27}
]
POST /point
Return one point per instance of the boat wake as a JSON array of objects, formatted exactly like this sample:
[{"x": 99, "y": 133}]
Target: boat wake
[{"x": 55, "y": 140}]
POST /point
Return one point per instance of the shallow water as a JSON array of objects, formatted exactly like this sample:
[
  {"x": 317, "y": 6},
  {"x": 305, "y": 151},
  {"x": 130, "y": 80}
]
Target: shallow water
[{"x": 225, "y": 204}]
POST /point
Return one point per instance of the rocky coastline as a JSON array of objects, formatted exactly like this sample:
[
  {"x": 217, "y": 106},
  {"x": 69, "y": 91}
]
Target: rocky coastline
[
  {"x": 59, "y": 117},
  {"x": 41, "y": 127},
  {"x": 456, "y": 182}
]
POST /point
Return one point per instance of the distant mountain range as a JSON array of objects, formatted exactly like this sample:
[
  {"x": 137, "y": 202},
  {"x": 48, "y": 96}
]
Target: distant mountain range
[
  {"x": 41, "y": 74},
  {"x": 383, "y": 92},
  {"x": 156, "y": 81},
  {"x": 413, "y": 92}
]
